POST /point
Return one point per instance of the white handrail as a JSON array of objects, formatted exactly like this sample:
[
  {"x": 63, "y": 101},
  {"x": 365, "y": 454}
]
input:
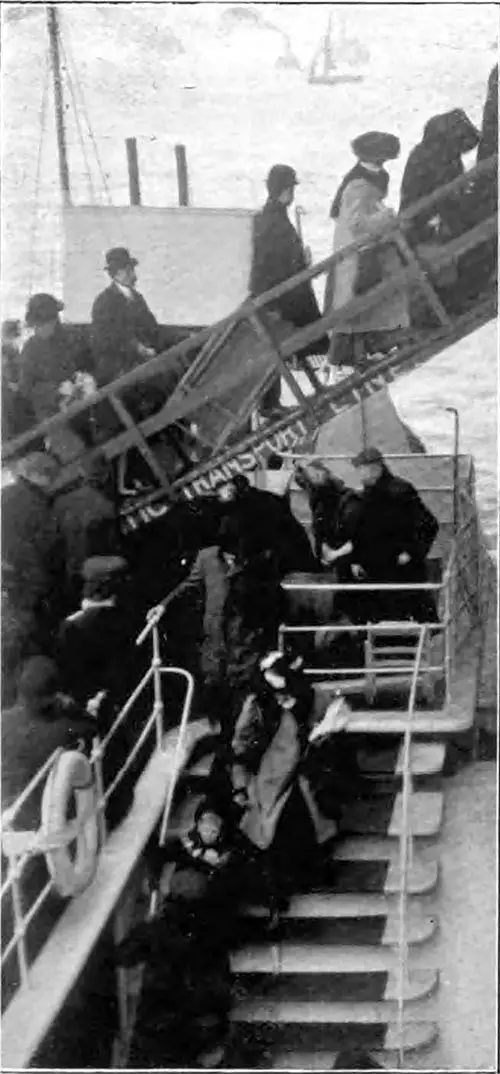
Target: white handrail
[{"x": 405, "y": 843}]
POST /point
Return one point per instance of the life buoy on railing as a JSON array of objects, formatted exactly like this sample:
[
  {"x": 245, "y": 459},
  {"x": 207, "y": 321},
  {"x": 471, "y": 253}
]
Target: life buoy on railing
[{"x": 71, "y": 864}]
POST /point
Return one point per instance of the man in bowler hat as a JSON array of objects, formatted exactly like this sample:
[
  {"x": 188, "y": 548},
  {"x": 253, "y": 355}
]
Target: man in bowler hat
[
  {"x": 124, "y": 331},
  {"x": 51, "y": 358},
  {"x": 278, "y": 254}
]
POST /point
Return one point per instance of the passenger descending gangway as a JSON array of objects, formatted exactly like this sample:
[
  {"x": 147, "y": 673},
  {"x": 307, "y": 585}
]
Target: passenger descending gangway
[{"x": 209, "y": 428}]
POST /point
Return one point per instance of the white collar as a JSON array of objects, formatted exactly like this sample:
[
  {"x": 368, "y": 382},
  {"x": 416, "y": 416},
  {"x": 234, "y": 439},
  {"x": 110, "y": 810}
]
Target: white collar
[
  {"x": 371, "y": 167},
  {"x": 125, "y": 290}
]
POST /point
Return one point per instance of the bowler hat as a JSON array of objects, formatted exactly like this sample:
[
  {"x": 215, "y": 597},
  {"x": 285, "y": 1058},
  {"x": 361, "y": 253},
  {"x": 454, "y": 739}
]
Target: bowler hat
[
  {"x": 102, "y": 568},
  {"x": 367, "y": 456},
  {"x": 119, "y": 258},
  {"x": 42, "y": 309},
  {"x": 281, "y": 177},
  {"x": 375, "y": 146}
]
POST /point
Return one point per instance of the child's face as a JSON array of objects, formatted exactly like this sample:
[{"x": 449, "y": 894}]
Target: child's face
[{"x": 209, "y": 827}]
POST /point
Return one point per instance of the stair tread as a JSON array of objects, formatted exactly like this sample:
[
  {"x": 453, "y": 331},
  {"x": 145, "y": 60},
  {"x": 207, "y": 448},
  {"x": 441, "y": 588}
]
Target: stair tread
[
  {"x": 357, "y": 987},
  {"x": 426, "y": 759},
  {"x": 318, "y": 958},
  {"x": 377, "y": 876},
  {"x": 417, "y": 1035},
  {"x": 425, "y": 815},
  {"x": 318, "y": 904},
  {"x": 312, "y": 932},
  {"x": 318, "y": 1012}
]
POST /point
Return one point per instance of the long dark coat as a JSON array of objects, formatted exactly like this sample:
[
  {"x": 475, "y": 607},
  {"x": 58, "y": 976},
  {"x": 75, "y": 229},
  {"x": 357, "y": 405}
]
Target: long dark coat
[
  {"x": 269, "y": 524},
  {"x": 434, "y": 162},
  {"x": 33, "y": 546},
  {"x": 46, "y": 363},
  {"x": 392, "y": 519},
  {"x": 118, "y": 325},
  {"x": 278, "y": 254}
]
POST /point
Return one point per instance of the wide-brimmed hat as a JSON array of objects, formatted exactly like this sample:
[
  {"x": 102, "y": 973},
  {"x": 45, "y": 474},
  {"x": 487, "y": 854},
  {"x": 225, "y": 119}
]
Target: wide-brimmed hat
[
  {"x": 281, "y": 177},
  {"x": 368, "y": 456},
  {"x": 119, "y": 258},
  {"x": 103, "y": 568},
  {"x": 42, "y": 309},
  {"x": 376, "y": 146}
]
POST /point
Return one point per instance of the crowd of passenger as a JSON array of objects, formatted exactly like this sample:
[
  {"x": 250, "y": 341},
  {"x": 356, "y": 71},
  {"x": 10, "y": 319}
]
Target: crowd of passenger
[
  {"x": 276, "y": 790},
  {"x": 60, "y": 363}
]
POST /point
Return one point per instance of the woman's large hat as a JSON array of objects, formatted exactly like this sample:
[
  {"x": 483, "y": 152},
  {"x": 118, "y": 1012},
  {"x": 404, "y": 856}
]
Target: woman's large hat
[{"x": 376, "y": 146}]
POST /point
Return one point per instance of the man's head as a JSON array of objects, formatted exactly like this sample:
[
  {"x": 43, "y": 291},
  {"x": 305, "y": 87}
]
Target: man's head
[
  {"x": 281, "y": 182},
  {"x": 38, "y": 684},
  {"x": 370, "y": 466},
  {"x": 121, "y": 266},
  {"x": 103, "y": 577},
  {"x": 42, "y": 314}
]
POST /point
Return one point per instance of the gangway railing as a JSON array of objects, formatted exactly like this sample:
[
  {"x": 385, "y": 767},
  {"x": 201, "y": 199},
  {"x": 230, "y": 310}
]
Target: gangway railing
[
  {"x": 441, "y": 667},
  {"x": 406, "y": 848},
  {"x": 20, "y": 847},
  {"x": 187, "y": 397}
]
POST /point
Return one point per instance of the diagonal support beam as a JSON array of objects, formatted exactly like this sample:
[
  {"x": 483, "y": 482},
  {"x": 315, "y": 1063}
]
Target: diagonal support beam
[
  {"x": 140, "y": 442},
  {"x": 422, "y": 280},
  {"x": 272, "y": 346}
]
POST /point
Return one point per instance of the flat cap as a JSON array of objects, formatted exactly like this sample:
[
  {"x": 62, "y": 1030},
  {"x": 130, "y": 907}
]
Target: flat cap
[
  {"x": 367, "y": 456},
  {"x": 100, "y": 568}
]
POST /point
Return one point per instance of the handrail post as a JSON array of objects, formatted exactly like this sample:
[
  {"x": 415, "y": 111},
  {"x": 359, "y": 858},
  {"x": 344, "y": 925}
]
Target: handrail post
[
  {"x": 447, "y": 630},
  {"x": 99, "y": 779},
  {"x": 405, "y": 847},
  {"x": 19, "y": 923},
  {"x": 158, "y": 693}
]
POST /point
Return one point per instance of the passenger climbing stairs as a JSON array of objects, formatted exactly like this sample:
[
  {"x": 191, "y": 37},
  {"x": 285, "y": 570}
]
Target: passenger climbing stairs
[
  {"x": 214, "y": 382},
  {"x": 351, "y": 964}
]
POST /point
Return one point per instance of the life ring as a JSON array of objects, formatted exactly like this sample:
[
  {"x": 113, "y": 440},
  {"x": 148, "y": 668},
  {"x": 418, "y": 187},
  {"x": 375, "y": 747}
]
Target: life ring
[{"x": 72, "y": 863}]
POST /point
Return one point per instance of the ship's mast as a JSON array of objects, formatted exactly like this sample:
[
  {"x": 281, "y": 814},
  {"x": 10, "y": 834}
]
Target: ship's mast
[{"x": 53, "y": 29}]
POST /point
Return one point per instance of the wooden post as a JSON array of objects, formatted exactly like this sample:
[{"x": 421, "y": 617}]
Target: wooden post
[
  {"x": 182, "y": 174},
  {"x": 133, "y": 171}
]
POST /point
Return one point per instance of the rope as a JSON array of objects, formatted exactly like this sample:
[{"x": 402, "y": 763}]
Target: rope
[
  {"x": 36, "y": 194},
  {"x": 78, "y": 124},
  {"x": 80, "y": 106}
]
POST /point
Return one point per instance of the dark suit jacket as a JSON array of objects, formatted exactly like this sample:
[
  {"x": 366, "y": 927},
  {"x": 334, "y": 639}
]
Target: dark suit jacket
[{"x": 118, "y": 325}]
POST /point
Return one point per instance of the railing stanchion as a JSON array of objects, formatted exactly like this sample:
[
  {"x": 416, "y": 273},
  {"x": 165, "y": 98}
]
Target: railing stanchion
[
  {"x": 99, "y": 779},
  {"x": 19, "y": 924},
  {"x": 158, "y": 694}
]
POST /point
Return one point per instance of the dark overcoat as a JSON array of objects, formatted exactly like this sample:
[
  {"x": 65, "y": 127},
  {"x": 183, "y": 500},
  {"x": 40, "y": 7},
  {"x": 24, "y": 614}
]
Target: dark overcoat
[{"x": 118, "y": 325}]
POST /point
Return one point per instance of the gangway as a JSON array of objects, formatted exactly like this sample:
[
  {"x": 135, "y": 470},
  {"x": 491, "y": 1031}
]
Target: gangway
[{"x": 217, "y": 377}]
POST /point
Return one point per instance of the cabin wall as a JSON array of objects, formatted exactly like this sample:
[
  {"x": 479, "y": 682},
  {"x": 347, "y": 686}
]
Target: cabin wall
[{"x": 194, "y": 264}]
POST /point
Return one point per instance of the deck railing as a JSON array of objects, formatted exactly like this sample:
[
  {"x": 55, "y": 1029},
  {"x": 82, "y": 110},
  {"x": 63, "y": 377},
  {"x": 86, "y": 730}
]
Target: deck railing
[
  {"x": 19, "y": 847},
  {"x": 205, "y": 344},
  {"x": 406, "y": 847}
]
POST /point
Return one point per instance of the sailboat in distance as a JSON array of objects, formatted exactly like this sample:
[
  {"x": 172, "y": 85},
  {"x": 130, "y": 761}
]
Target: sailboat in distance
[{"x": 337, "y": 61}]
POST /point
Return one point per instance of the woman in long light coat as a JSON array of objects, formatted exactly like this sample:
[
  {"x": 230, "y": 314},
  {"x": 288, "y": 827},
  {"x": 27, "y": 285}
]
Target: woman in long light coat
[{"x": 359, "y": 210}]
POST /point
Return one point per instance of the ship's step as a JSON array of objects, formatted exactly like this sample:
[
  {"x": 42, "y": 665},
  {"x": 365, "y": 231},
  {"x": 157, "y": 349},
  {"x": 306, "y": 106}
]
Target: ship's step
[
  {"x": 382, "y": 929},
  {"x": 426, "y": 759},
  {"x": 257, "y": 1045},
  {"x": 383, "y": 1045},
  {"x": 363, "y": 987},
  {"x": 383, "y": 815},
  {"x": 327, "y": 904},
  {"x": 367, "y": 876},
  {"x": 323, "y": 959}
]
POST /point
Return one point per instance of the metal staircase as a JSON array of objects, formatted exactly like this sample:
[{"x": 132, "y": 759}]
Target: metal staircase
[
  {"x": 351, "y": 964},
  {"x": 215, "y": 380}
]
